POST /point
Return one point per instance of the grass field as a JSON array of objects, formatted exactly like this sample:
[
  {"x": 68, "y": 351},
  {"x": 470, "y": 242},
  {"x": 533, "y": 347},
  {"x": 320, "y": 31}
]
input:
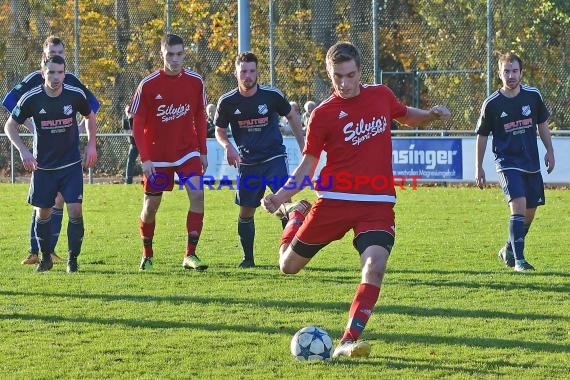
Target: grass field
[{"x": 448, "y": 308}]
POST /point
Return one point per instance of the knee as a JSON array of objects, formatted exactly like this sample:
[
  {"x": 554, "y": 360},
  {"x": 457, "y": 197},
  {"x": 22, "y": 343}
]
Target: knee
[
  {"x": 196, "y": 197},
  {"x": 375, "y": 266},
  {"x": 74, "y": 210},
  {"x": 288, "y": 268}
]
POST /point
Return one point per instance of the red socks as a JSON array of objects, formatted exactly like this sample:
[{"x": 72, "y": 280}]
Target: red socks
[
  {"x": 362, "y": 305},
  {"x": 147, "y": 233},
  {"x": 194, "y": 223},
  {"x": 296, "y": 219}
]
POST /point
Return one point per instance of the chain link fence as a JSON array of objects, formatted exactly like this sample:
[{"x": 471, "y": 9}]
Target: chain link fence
[{"x": 426, "y": 54}]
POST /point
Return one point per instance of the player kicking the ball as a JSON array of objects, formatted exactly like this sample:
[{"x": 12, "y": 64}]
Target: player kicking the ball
[{"x": 353, "y": 127}]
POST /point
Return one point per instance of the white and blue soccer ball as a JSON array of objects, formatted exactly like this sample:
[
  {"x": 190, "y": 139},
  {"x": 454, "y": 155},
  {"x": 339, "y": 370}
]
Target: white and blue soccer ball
[{"x": 311, "y": 343}]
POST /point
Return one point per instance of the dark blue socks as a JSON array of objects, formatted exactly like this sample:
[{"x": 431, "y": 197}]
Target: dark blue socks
[
  {"x": 517, "y": 234},
  {"x": 246, "y": 232},
  {"x": 75, "y": 232}
]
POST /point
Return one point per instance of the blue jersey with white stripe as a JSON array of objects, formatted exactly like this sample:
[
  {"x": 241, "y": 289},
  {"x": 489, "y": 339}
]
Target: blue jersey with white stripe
[
  {"x": 56, "y": 135},
  {"x": 35, "y": 79},
  {"x": 254, "y": 122},
  {"x": 512, "y": 121}
]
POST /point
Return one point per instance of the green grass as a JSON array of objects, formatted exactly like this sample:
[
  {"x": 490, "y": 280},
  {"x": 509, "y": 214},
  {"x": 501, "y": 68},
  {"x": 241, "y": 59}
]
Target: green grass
[{"x": 448, "y": 307}]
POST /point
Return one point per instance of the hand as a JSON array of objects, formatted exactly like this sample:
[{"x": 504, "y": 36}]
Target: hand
[
  {"x": 232, "y": 156},
  {"x": 440, "y": 112},
  {"x": 204, "y": 161},
  {"x": 480, "y": 178},
  {"x": 28, "y": 160},
  {"x": 147, "y": 168},
  {"x": 270, "y": 203},
  {"x": 90, "y": 156},
  {"x": 549, "y": 161}
]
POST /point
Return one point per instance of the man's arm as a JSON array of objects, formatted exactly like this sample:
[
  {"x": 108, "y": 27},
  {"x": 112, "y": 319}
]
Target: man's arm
[
  {"x": 11, "y": 130},
  {"x": 91, "y": 148},
  {"x": 416, "y": 116},
  {"x": 305, "y": 169},
  {"x": 296, "y": 127},
  {"x": 138, "y": 133},
  {"x": 232, "y": 155},
  {"x": 481, "y": 146},
  {"x": 546, "y": 137}
]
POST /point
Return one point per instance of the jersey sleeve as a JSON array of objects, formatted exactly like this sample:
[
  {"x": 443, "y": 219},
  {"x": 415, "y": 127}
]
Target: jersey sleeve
[
  {"x": 282, "y": 105},
  {"x": 316, "y": 133},
  {"x": 200, "y": 120},
  {"x": 398, "y": 108},
  {"x": 20, "y": 112},
  {"x": 83, "y": 105},
  {"x": 12, "y": 97},
  {"x": 138, "y": 110},
  {"x": 74, "y": 81},
  {"x": 220, "y": 118},
  {"x": 542, "y": 111},
  {"x": 483, "y": 127}
]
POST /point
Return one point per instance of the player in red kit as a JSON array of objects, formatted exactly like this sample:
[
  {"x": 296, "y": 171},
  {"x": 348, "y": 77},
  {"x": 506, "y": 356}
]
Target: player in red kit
[
  {"x": 353, "y": 127},
  {"x": 169, "y": 128}
]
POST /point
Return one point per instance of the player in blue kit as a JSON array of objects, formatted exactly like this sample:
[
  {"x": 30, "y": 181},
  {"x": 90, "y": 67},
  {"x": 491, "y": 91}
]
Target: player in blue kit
[
  {"x": 52, "y": 45},
  {"x": 511, "y": 114},
  {"x": 252, "y": 111},
  {"x": 56, "y": 160}
]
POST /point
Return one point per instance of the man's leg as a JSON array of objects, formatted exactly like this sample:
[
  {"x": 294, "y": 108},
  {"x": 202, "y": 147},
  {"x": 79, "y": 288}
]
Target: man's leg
[
  {"x": 56, "y": 221},
  {"x": 374, "y": 248},
  {"x": 151, "y": 203},
  {"x": 43, "y": 233},
  {"x": 75, "y": 232},
  {"x": 32, "y": 257},
  {"x": 528, "y": 218},
  {"x": 246, "y": 233},
  {"x": 194, "y": 223},
  {"x": 56, "y": 218},
  {"x": 517, "y": 232},
  {"x": 131, "y": 159}
]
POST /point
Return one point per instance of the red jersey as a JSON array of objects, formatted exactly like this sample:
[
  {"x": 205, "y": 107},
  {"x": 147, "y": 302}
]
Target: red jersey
[
  {"x": 356, "y": 134},
  {"x": 170, "y": 119}
]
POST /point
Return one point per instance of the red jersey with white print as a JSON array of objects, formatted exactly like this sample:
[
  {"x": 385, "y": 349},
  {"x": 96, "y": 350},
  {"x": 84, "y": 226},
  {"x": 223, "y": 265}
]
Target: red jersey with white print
[
  {"x": 170, "y": 119},
  {"x": 356, "y": 135}
]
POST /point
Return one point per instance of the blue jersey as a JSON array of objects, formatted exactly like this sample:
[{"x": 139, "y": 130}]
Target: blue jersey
[
  {"x": 56, "y": 136},
  {"x": 512, "y": 121},
  {"x": 254, "y": 122},
  {"x": 35, "y": 79}
]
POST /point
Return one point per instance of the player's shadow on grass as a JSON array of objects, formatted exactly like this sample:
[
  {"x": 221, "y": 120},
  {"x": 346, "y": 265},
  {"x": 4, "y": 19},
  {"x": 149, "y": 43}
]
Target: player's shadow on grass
[
  {"x": 447, "y": 367},
  {"x": 501, "y": 286},
  {"x": 249, "y": 328},
  {"x": 481, "y": 342},
  {"x": 423, "y": 367},
  {"x": 501, "y": 271},
  {"x": 303, "y": 306}
]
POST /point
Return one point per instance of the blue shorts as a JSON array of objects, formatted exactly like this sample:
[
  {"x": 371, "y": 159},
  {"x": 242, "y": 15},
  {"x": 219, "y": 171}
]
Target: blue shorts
[
  {"x": 45, "y": 184},
  {"x": 254, "y": 179},
  {"x": 516, "y": 184}
]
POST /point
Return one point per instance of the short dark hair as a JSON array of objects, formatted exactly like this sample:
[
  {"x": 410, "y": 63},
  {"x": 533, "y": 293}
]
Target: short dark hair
[
  {"x": 171, "y": 40},
  {"x": 343, "y": 52},
  {"x": 246, "y": 56},
  {"x": 53, "y": 59},
  {"x": 510, "y": 57},
  {"x": 52, "y": 40}
]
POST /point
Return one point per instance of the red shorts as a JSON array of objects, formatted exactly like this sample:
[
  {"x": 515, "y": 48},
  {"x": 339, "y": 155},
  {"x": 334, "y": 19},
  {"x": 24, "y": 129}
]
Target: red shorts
[
  {"x": 163, "y": 178},
  {"x": 331, "y": 219}
]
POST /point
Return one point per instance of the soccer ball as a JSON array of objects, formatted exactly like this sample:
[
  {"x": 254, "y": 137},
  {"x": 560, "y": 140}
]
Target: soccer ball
[{"x": 311, "y": 343}]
